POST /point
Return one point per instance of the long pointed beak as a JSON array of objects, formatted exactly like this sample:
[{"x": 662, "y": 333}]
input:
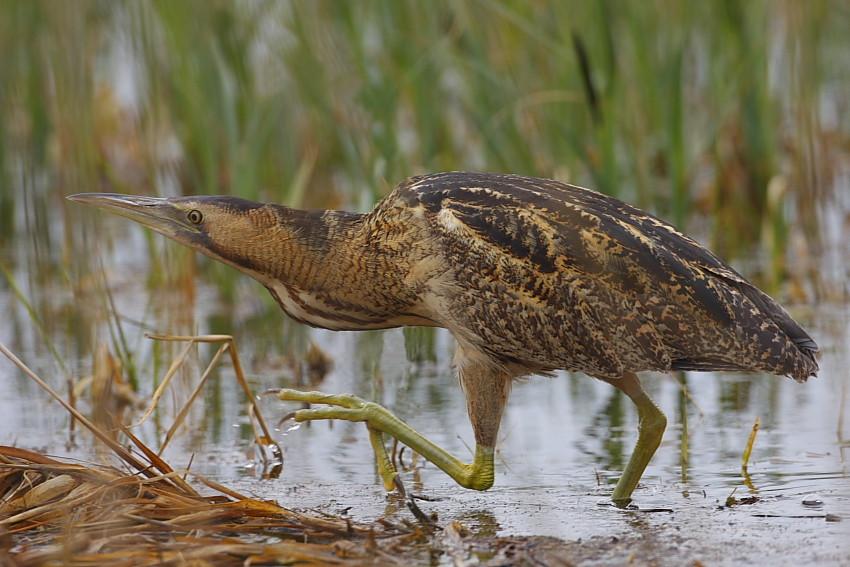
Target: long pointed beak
[{"x": 160, "y": 214}]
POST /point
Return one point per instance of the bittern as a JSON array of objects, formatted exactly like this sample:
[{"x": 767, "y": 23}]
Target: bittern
[{"x": 529, "y": 275}]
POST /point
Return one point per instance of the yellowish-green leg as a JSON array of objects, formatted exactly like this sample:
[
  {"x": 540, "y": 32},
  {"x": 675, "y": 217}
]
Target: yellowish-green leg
[
  {"x": 651, "y": 425},
  {"x": 477, "y": 475}
]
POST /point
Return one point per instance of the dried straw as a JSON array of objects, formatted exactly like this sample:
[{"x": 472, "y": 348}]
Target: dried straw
[{"x": 60, "y": 513}]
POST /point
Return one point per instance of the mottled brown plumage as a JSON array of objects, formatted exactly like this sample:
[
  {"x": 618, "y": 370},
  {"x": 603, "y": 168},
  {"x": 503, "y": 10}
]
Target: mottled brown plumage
[{"x": 530, "y": 275}]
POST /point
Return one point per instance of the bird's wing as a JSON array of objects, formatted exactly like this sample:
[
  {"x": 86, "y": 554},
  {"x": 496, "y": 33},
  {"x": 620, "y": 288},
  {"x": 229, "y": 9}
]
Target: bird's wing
[{"x": 550, "y": 226}]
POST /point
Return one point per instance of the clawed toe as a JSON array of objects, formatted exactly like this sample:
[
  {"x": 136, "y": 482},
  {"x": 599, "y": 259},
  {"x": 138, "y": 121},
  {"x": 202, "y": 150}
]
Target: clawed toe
[{"x": 349, "y": 401}]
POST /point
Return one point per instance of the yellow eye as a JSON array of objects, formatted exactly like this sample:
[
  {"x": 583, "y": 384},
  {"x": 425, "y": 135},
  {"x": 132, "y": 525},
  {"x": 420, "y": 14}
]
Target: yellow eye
[{"x": 195, "y": 216}]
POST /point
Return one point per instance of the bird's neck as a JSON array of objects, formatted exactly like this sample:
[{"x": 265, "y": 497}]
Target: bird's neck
[{"x": 332, "y": 269}]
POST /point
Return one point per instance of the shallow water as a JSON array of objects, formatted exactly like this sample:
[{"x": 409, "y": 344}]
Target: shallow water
[{"x": 563, "y": 442}]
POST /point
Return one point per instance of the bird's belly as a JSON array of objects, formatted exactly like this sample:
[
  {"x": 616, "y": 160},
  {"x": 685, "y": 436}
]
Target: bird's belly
[
  {"x": 308, "y": 308},
  {"x": 586, "y": 333}
]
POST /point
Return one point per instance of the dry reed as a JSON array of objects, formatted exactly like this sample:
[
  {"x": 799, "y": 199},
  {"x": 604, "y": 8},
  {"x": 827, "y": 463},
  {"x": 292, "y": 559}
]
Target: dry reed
[{"x": 54, "y": 512}]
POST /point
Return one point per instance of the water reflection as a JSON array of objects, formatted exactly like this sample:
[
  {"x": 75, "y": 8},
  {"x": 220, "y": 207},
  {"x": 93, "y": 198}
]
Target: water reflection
[
  {"x": 681, "y": 417},
  {"x": 482, "y": 522},
  {"x": 610, "y": 429}
]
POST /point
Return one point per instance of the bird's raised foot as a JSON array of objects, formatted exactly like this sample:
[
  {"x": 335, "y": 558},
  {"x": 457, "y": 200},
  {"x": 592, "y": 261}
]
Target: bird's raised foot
[
  {"x": 347, "y": 407},
  {"x": 478, "y": 475}
]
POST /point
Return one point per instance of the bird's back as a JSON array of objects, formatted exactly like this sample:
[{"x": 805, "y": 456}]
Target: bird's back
[{"x": 547, "y": 275}]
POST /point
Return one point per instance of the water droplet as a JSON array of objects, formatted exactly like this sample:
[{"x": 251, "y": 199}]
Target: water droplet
[{"x": 812, "y": 501}]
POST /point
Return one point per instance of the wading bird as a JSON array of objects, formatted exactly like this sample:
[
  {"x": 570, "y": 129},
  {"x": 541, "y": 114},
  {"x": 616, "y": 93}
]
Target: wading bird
[{"x": 529, "y": 275}]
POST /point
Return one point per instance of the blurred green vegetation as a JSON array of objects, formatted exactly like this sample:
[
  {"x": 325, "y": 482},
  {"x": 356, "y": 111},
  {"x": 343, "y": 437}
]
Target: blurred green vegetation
[
  {"x": 682, "y": 108},
  {"x": 727, "y": 118}
]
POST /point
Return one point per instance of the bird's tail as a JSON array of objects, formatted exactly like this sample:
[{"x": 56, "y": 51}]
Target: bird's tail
[{"x": 801, "y": 363}]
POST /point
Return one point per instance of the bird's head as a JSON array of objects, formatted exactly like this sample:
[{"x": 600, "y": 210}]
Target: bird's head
[{"x": 235, "y": 231}]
